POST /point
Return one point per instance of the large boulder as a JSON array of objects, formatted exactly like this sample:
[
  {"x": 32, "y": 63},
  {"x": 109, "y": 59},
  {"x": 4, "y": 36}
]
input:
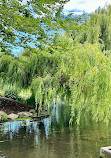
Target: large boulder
[
  {"x": 32, "y": 111},
  {"x": 44, "y": 114},
  {"x": 13, "y": 116},
  {"x": 24, "y": 114}
]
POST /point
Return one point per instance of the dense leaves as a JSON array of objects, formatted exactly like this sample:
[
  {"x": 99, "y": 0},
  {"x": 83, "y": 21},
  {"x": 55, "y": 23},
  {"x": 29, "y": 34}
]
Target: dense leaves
[
  {"x": 94, "y": 28},
  {"x": 26, "y": 23},
  {"x": 80, "y": 77},
  {"x": 74, "y": 67}
]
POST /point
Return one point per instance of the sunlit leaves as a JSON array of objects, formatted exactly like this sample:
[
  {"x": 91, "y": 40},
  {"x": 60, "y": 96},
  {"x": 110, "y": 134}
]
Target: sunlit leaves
[
  {"x": 78, "y": 74},
  {"x": 23, "y": 22}
]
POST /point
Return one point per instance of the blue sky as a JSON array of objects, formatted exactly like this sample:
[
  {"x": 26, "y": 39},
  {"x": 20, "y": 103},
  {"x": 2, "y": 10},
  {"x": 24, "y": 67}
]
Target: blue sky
[{"x": 85, "y": 5}]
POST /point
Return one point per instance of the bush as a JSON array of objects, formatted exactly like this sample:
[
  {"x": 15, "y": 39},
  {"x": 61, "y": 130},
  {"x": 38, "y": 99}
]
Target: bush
[{"x": 4, "y": 118}]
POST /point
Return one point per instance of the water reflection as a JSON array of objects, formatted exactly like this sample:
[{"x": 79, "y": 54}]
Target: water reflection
[
  {"x": 12, "y": 128},
  {"x": 52, "y": 138}
]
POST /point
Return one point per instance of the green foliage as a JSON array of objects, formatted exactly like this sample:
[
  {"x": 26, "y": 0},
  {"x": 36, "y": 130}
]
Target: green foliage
[
  {"x": 5, "y": 61},
  {"x": 74, "y": 68},
  {"x": 4, "y": 118},
  {"x": 80, "y": 75},
  {"x": 94, "y": 28},
  {"x": 22, "y": 22}
]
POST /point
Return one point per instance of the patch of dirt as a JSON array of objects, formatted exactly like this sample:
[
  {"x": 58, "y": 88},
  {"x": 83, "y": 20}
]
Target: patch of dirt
[{"x": 9, "y": 106}]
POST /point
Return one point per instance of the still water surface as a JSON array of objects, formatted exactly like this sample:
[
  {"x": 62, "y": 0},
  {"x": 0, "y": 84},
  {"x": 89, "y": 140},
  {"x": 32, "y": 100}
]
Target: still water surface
[{"x": 52, "y": 138}]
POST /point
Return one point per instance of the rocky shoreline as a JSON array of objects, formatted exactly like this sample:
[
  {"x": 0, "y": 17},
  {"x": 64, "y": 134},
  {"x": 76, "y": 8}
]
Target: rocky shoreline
[
  {"x": 23, "y": 115},
  {"x": 12, "y": 110}
]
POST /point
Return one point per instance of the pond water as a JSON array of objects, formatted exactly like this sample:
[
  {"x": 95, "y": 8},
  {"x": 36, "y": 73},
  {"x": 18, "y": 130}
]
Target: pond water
[{"x": 52, "y": 138}]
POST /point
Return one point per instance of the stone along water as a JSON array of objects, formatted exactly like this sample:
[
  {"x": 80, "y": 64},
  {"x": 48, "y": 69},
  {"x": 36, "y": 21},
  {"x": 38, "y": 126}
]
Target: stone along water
[{"x": 52, "y": 138}]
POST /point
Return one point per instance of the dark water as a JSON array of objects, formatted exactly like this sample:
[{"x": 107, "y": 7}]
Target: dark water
[{"x": 52, "y": 138}]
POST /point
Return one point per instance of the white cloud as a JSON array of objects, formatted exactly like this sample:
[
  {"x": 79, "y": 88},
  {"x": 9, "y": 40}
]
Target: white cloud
[{"x": 87, "y": 5}]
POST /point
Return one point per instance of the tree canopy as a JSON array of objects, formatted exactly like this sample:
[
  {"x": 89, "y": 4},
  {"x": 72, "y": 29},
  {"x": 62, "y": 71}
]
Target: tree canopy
[
  {"x": 74, "y": 67},
  {"x": 27, "y": 23}
]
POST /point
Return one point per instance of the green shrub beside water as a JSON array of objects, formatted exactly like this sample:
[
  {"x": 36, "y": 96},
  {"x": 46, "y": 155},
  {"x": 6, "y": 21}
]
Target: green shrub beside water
[{"x": 4, "y": 118}]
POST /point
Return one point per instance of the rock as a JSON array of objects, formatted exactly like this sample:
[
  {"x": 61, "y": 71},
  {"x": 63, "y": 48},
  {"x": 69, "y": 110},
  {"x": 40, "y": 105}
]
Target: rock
[
  {"x": 105, "y": 152},
  {"x": 32, "y": 111},
  {"x": 13, "y": 116},
  {"x": 24, "y": 114},
  {"x": 34, "y": 115},
  {"x": 44, "y": 113},
  {"x": 2, "y": 113}
]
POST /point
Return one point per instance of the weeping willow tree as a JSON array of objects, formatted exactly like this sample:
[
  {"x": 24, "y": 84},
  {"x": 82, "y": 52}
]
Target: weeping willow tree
[
  {"x": 79, "y": 75},
  {"x": 76, "y": 70}
]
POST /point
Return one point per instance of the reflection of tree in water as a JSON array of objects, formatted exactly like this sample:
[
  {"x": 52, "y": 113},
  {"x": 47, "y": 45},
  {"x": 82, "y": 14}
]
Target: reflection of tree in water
[
  {"x": 53, "y": 138},
  {"x": 59, "y": 118}
]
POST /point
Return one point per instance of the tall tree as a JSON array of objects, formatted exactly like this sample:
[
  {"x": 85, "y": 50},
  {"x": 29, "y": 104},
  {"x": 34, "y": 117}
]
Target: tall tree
[
  {"x": 100, "y": 27},
  {"x": 27, "y": 22}
]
